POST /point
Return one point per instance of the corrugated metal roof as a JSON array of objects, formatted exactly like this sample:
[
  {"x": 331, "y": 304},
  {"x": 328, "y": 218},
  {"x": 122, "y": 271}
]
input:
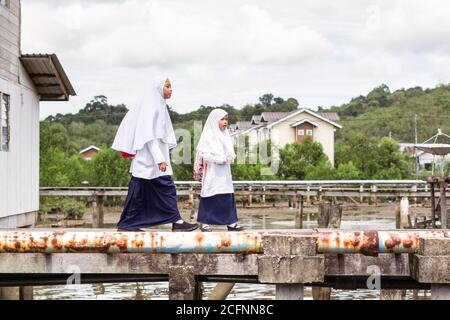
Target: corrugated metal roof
[
  {"x": 48, "y": 76},
  {"x": 255, "y": 119},
  {"x": 244, "y": 125},
  {"x": 332, "y": 116},
  {"x": 273, "y": 116}
]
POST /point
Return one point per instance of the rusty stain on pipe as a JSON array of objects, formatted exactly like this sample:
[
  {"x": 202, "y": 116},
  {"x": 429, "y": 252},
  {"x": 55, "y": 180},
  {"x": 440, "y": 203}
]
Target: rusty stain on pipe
[
  {"x": 128, "y": 242},
  {"x": 371, "y": 243}
]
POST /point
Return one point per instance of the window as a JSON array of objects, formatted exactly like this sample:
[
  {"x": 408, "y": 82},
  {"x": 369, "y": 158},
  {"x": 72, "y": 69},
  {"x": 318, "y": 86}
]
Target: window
[
  {"x": 301, "y": 132},
  {"x": 5, "y": 3},
  {"x": 309, "y": 132},
  {"x": 4, "y": 122}
]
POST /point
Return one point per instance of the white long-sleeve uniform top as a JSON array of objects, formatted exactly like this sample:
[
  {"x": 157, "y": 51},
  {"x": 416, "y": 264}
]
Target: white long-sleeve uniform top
[
  {"x": 217, "y": 177},
  {"x": 145, "y": 162}
]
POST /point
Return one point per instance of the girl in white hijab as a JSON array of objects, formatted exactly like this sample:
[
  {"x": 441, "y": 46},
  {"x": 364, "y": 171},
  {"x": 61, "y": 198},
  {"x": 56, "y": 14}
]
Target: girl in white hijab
[
  {"x": 215, "y": 153},
  {"x": 146, "y": 134}
]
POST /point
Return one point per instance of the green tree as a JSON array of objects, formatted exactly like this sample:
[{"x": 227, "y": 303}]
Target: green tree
[
  {"x": 297, "y": 159},
  {"x": 347, "y": 171},
  {"x": 373, "y": 157},
  {"x": 109, "y": 169}
]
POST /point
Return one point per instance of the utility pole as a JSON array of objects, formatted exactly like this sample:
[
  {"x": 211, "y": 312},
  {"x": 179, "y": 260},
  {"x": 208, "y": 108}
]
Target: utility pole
[{"x": 415, "y": 148}]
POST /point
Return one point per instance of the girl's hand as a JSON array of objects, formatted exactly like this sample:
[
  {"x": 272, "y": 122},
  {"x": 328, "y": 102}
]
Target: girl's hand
[
  {"x": 230, "y": 158},
  {"x": 162, "y": 166}
]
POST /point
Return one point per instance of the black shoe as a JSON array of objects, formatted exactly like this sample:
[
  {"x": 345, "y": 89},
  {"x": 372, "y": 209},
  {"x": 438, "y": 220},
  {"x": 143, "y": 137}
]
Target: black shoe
[
  {"x": 179, "y": 227},
  {"x": 235, "y": 228}
]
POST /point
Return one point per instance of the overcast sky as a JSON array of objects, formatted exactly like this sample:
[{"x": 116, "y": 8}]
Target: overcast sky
[{"x": 228, "y": 51}]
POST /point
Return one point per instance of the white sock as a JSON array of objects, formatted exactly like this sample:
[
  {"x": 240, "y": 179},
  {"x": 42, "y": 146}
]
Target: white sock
[
  {"x": 180, "y": 221},
  {"x": 206, "y": 226},
  {"x": 233, "y": 225}
]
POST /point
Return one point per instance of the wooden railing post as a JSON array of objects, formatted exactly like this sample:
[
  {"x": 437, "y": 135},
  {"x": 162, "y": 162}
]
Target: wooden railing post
[{"x": 98, "y": 214}]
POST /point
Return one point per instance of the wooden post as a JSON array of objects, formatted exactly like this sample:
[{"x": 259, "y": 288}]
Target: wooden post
[
  {"x": 194, "y": 208},
  {"x": 182, "y": 284},
  {"x": 374, "y": 198},
  {"x": 401, "y": 222},
  {"x": 443, "y": 203},
  {"x": 361, "y": 190},
  {"x": 433, "y": 205},
  {"x": 264, "y": 196},
  {"x": 221, "y": 291},
  {"x": 289, "y": 291},
  {"x": 250, "y": 197},
  {"x": 244, "y": 198},
  {"x": 402, "y": 213},
  {"x": 26, "y": 293},
  {"x": 191, "y": 197},
  {"x": 299, "y": 213},
  {"x": 98, "y": 215},
  {"x": 414, "y": 191},
  {"x": 329, "y": 216},
  {"x": 308, "y": 197}
]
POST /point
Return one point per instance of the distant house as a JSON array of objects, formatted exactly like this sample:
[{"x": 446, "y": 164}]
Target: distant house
[
  {"x": 25, "y": 80},
  {"x": 282, "y": 128},
  {"x": 89, "y": 152},
  {"x": 425, "y": 160}
]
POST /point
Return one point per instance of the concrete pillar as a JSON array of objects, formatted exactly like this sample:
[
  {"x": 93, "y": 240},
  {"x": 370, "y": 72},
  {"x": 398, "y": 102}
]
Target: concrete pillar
[
  {"x": 182, "y": 284},
  {"x": 289, "y": 262},
  {"x": 289, "y": 291},
  {"x": 440, "y": 291},
  {"x": 432, "y": 265}
]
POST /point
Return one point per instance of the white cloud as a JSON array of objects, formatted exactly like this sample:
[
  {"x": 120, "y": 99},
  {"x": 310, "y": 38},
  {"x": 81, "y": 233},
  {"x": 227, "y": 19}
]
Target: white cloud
[{"x": 318, "y": 51}]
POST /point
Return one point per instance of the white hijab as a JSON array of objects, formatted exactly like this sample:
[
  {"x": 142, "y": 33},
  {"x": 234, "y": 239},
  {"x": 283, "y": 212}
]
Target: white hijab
[
  {"x": 148, "y": 121},
  {"x": 213, "y": 140}
]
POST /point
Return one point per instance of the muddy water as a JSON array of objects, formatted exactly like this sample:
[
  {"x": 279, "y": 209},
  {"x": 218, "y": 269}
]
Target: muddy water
[{"x": 256, "y": 220}]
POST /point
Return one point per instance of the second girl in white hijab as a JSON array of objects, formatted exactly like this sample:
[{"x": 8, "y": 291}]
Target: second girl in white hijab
[{"x": 215, "y": 154}]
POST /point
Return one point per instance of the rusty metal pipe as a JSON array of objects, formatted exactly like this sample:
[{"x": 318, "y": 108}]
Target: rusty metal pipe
[
  {"x": 328, "y": 241},
  {"x": 128, "y": 242},
  {"x": 373, "y": 242}
]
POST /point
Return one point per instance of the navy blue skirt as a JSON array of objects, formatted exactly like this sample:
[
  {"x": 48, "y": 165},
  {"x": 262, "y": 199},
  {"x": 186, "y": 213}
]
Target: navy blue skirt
[
  {"x": 149, "y": 203},
  {"x": 219, "y": 209}
]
